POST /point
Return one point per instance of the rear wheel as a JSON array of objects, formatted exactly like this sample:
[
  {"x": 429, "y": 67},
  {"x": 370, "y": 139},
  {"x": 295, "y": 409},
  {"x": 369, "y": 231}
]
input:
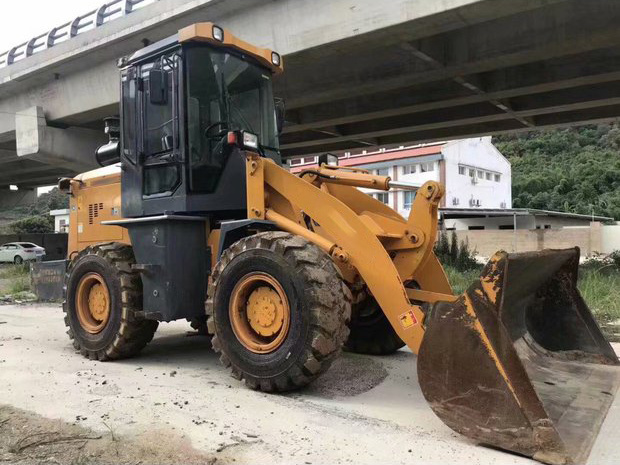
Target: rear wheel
[
  {"x": 103, "y": 295},
  {"x": 371, "y": 331},
  {"x": 199, "y": 324},
  {"x": 278, "y": 310}
]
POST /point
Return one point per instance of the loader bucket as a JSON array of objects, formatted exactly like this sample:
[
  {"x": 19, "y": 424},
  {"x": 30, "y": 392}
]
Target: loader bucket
[{"x": 518, "y": 361}]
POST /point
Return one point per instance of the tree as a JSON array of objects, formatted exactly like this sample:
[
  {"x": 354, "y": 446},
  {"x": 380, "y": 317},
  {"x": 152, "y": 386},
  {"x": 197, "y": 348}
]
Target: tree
[
  {"x": 575, "y": 169},
  {"x": 454, "y": 248},
  {"x": 442, "y": 246}
]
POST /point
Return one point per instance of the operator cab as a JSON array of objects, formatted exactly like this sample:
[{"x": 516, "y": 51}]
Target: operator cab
[{"x": 190, "y": 105}]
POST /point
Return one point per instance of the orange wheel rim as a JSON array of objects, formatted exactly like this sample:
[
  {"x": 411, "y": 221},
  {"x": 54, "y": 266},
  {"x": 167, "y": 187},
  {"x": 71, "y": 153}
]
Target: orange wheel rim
[
  {"x": 259, "y": 313},
  {"x": 92, "y": 301}
]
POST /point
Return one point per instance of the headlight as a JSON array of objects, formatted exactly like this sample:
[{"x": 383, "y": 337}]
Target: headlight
[
  {"x": 218, "y": 33},
  {"x": 328, "y": 159},
  {"x": 250, "y": 140},
  {"x": 275, "y": 58}
]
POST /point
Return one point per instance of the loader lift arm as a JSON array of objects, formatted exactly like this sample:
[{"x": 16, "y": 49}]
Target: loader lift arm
[{"x": 352, "y": 237}]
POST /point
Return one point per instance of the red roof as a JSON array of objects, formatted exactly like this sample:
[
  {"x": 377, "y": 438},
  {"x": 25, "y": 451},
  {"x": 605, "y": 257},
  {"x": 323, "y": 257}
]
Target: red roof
[{"x": 376, "y": 157}]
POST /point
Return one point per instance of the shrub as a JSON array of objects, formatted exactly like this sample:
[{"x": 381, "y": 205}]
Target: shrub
[
  {"x": 454, "y": 254},
  {"x": 33, "y": 224}
]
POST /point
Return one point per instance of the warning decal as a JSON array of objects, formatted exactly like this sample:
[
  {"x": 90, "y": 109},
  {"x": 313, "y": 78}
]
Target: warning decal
[{"x": 408, "y": 319}]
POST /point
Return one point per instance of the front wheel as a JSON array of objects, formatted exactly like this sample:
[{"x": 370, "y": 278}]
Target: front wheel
[
  {"x": 278, "y": 310},
  {"x": 18, "y": 260},
  {"x": 103, "y": 296}
]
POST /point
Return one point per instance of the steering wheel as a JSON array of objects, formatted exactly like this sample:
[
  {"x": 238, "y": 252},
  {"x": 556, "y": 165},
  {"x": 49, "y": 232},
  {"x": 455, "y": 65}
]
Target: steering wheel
[{"x": 223, "y": 129}]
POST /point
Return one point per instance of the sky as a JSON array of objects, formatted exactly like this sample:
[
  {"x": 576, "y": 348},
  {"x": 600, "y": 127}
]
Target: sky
[{"x": 21, "y": 20}]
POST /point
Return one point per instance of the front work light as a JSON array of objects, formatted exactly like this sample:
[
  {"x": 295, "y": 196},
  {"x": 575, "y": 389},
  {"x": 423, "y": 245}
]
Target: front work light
[
  {"x": 218, "y": 33},
  {"x": 250, "y": 140},
  {"x": 328, "y": 159},
  {"x": 275, "y": 58}
]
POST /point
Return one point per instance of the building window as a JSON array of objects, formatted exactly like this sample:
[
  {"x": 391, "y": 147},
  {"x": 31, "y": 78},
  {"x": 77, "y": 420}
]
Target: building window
[
  {"x": 462, "y": 170},
  {"x": 472, "y": 172},
  {"x": 409, "y": 169},
  {"x": 506, "y": 226},
  {"x": 382, "y": 197},
  {"x": 475, "y": 228},
  {"x": 480, "y": 174},
  {"x": 497, "y": 177},
  {"x": 547, "y": 226},
  {"x": 296, "y": 161},
  {"x": 309, "y": 160},
  {"x": 383, "y": 171},
  {"x": 487, "y": 176},
  {"x": 426, "y": 167},
  {"x": 408, "y": 199}
]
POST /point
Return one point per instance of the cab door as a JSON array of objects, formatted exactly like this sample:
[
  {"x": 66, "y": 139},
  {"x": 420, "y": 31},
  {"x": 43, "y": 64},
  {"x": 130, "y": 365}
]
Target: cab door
[{"x": 131, "y": 172}]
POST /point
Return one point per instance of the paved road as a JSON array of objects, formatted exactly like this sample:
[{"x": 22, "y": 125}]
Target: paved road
[{"x": 364, "y": 410}]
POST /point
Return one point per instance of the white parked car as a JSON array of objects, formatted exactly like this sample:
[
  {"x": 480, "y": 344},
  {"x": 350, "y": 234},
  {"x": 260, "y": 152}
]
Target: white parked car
[{"x": 20, "y": 252}]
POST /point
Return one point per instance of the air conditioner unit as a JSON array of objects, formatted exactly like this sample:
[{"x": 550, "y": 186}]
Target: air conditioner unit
[
  {"x": 502, "y": 205},
  {"x": 455, "y": 201},
  {"x": 474, "y": 180}
]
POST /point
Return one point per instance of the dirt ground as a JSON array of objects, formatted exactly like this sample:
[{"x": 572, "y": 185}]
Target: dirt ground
[
  {"x": 27, "y": 438},
  {"x": 176, "y": 404}
]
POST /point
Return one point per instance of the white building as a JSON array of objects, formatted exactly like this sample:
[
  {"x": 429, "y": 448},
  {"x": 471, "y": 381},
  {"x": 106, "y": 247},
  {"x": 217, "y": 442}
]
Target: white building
[
  {"x": 474, "y": 173},
  {"x": 61, "y": 220}
]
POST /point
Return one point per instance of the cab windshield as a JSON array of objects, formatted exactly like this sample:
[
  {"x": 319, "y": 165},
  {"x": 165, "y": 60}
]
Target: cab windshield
[{"x": 225, "y": 93}]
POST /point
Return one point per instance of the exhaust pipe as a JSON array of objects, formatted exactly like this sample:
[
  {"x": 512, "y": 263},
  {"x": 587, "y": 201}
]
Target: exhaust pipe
[{"x": 110, "y": 153}]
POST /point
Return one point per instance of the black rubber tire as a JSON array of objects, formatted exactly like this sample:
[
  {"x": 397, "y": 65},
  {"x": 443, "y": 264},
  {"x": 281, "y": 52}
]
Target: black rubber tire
[
  {"x": 125, "y": 334},
  {"x": 371, "y": 332},
  {"x": 320, "y": 305},
  {"x": 199, "y": 324},
  {"x": 18, "y": 260}
]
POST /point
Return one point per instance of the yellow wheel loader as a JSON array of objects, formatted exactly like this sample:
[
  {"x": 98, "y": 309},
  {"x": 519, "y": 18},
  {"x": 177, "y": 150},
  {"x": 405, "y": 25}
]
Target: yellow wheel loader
[{"x": 193, "y": 216}]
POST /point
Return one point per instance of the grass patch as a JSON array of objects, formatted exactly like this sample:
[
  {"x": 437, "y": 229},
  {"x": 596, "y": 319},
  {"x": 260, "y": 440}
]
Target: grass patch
[
  {"x": 601, "y": 291},
  {"x": 599, "y": 287},
  {"x": 460, "y": 280},
  {"x": 15, "y": 271},
  {"x": 18, "y": 285}
]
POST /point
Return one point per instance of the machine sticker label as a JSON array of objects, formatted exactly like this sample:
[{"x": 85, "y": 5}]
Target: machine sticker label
[
  {"x": 408, "y": 319},
  {"x": 80, "y": 227}
]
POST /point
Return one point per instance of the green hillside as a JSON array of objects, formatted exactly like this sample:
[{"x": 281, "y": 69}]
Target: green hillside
[{"x": 574, "y": 170}]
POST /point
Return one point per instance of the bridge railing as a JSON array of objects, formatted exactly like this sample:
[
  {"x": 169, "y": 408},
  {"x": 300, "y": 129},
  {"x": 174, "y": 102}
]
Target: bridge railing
[{"x": 93, "y": 19}]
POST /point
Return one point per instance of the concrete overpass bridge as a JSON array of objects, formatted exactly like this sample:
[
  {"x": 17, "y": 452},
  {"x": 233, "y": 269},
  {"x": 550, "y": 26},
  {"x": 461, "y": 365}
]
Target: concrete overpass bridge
[{"x": 359, "y": 73}]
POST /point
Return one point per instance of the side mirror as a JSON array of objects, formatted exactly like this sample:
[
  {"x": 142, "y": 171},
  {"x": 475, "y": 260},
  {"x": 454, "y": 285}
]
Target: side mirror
[
  {"x": 280, "y": 113},
  {"x": 158, "y": 87}
]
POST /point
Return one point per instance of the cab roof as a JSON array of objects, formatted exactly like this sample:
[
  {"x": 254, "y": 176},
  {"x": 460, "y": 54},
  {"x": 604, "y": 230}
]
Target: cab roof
[{"x": 207, "y": 33}]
